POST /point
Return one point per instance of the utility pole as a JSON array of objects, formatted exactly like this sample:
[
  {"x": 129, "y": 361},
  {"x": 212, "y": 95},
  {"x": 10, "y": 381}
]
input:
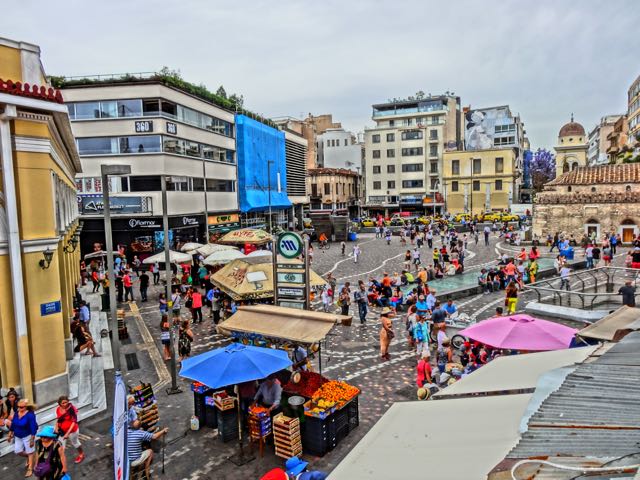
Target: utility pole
[
  {"x": 269, "y": 162},
  {"x": 206, "y": 206}
]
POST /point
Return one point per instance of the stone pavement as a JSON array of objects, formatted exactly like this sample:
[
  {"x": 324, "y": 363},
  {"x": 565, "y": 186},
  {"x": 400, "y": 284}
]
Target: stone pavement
[{"x": 351, "y": 353}]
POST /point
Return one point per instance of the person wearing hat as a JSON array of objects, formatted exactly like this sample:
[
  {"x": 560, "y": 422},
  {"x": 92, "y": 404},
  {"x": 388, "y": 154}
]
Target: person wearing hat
[
  {"x": 296, "y": 470},
  {"x": 386, "y": 332},
  {"x": 50, "y": 461}
]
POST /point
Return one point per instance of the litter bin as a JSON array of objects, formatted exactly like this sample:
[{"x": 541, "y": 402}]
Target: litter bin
[
  {"x": 353, "y": 236},
  {"x": 104, "y": 301}
]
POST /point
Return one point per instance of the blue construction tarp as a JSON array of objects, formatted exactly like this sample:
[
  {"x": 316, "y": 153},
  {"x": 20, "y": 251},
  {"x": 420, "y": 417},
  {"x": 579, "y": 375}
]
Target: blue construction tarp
[{"x": 262, "y": 166}]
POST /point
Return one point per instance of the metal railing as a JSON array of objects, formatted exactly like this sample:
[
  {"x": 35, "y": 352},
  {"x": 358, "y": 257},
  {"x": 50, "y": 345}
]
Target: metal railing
[{"x": 596, "y": 286}]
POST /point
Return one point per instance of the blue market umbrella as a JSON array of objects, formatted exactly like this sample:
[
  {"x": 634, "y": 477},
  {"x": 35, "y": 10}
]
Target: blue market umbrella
[{"x": 234, "y": 364}]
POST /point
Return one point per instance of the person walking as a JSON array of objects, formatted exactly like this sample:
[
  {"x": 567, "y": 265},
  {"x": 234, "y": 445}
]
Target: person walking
[
  {"x": 95, "y": 279},
  {"x": 429, "y": 237},
  {"x": 345, "y": 301},
  {"x": 511, "y": 297},
  {"x": 360, "y": 297},
  {"x": 421, "y": 336},
  {"x": 356, "y": 253},
  {"x": 628, "y": 292},
  {"x": 144, "y": 285},
  {"x": 487, "y": 232},
  {"x": 176, "y": 303},
  {"x": 386, "y": 332},
  {"x": 555, "y": 243},
  {"x": 165, "y": 336},
  {"x": 23, "y": 427},
  {"x": 326, "y": 297},
  {"x": 155, "y": 270},
  {"x": 128, "y": 286},
  {"x": 343, "y": 247},
  {"x": 387, "y": 236},
  {"x": 196, "y": 306},
  {"x": 49, "y": 457},
  {"x": 214, "y": 301},
  {"x": 185, "y": 338},
  {"x": 136, "y": 263},
  {"x": 67, "y": 427}
]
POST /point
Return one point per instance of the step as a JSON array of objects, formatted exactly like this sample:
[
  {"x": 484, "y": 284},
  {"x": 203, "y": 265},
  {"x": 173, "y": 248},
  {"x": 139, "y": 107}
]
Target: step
[
  {"x": 98, "y": 389},
  {"x": 84, "y": 393},
  {"x": 73, "y": 372}
]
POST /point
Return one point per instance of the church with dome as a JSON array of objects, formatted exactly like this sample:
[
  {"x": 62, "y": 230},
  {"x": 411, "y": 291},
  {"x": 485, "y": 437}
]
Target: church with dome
[{"x": 571, "y": 150}]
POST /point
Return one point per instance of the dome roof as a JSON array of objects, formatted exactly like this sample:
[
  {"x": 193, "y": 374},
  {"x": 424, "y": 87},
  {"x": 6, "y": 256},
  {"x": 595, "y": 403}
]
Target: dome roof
[{"x": 571, "y": 129}]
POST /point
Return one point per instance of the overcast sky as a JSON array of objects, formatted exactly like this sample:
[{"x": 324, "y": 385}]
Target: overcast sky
[{"x": 545, "y": 58}]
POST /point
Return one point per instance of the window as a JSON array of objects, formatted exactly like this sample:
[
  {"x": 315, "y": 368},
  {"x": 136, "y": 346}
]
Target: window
[
  {"x": 498, "y": 185},
  {"x": 476, "y": 185},
  {"x": 108, "y": 109},
  {"x": 391, "y": 169},
  {"x": 376, "y": 169},
  {"x": 140, "y": 144},
  {"x": 391, "y": 137},
  {"x": 454, "y": 186},
  {"x": 477, "y": 166},
  {"x": 413, "y": 167},
  {"x": 412, "y": 135},
  {"x": 392, "y": 123},
  {"x": 377, "y": 185},
  {"x": 435, "y": 120},
  {"x": 433, "y": 150},
  {"x": 455, "y": 167},
  {"x": 412, "y": 184},
  {"x": 504, "y": 141},
  {"x": 505, "y": 128},
  {"x": 327, "y": 189},
  {"x": 376, "y": 153},
  {"x": 391, "y": 153},
  {"x": 433, "y": 167},
  {"x": 434, "y": 184},
  {"x": 433, "y": 134},
  {"x": 169, "y": 109},
  {"x": 391, "y": 184},
  {"x": 151, "y": 106},
  {"x": 130, "y": 108},
  {"x": 144, "y": 184},
  {"x": 97, "y": 146},
  {"x": 499, "y": 164},
  {"x": 177, "y": 184},
  {"x": 87, "y": 110},
  {"x": 412, "y": 152},
  {"x": 375, "y": 138},
  {"x": 314, "y": 189},
  {"x": 215, "y": 185}
]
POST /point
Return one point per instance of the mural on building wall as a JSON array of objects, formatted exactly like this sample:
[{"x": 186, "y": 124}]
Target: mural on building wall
[{"x": 480, "y": 126}]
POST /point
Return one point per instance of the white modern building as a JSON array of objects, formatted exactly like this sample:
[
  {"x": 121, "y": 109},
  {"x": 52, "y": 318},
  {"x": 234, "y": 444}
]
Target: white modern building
[
  {"x": 597, "y": 151},
  {"x": 338, "y": 148},
  {"x": 157, "y": 130},
  {"x": 403, "y": 153}
]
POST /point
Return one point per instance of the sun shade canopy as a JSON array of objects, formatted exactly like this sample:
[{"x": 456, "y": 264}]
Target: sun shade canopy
[{"x": 623, "y": 320}]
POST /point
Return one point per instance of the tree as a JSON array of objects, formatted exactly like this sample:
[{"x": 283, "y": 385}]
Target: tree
[
  {"x": 420, "y": 95},
  {"x": 238, "y": 100},
  {"x": 221, "y": 92},
  {"x": 543, "y": 168}
]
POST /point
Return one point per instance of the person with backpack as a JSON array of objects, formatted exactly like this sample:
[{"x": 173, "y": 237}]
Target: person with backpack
[
  {"x": 185, "y": 337},
  {"x": 67, "y": 426},
  {"x": 50, "y": 461}
]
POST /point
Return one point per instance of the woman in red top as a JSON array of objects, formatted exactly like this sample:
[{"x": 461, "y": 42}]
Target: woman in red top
[
  {"x": 67, "y": 426},
  {"x": 196, "y": 306},
  {"x": 534, "y": 254},
  {"x": 423, "y": 370}
]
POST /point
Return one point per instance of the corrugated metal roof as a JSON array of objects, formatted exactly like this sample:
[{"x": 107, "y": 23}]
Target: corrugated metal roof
[{"x": 595, "y": 413}]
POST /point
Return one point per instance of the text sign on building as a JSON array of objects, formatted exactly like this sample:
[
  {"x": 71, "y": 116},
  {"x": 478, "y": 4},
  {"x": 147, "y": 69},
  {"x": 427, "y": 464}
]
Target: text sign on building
[
  {"x": 292, "y": 304},
  {"x": 93, "y": 205},
  {"x": 144, "y": 126},
  {"x": 172, "y": 128},
  {"x": 290, "y": 245},
  {"x": 291, "y": 292},
  {"x": 287, "y": 277},
  {"x": 50, "y": 308}
]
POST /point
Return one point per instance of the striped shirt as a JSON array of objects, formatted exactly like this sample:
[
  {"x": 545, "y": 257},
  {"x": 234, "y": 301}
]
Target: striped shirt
[{"x": 134, "y": 443}]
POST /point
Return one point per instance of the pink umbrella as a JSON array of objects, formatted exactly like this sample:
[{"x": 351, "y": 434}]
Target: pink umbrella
[{"x": 521, "y": 332}]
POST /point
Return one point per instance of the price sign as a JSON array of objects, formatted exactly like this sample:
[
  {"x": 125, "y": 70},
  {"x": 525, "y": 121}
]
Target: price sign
[{"x": 290, "y": 245}]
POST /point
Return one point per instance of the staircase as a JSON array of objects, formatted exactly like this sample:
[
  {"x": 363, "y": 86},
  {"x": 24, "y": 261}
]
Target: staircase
[{"x": 86, "y": 375}]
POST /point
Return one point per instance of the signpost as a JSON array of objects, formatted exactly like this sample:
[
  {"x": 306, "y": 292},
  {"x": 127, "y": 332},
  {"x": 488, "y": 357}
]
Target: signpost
[{"x": 291, "y": 287}]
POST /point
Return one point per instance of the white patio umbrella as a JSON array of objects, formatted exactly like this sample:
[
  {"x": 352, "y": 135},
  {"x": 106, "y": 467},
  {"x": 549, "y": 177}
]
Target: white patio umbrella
[
  {"x": 210, "y": 248},
  {"x": 100, "y": 254},
  {"x": 174, "y": 257},
  {"x": 222, "y": 257},
  {"x": 260, "y": 253},
  {"x": 191, "y": 246}
]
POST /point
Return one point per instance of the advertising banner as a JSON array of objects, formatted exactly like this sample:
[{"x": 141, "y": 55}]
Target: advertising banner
[
  {"x": 120, "y": 459},
  {"x": 92, "y": 205}
]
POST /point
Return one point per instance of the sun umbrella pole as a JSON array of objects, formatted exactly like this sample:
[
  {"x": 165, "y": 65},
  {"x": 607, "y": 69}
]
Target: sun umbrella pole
[{"x": 274, "y": 253}]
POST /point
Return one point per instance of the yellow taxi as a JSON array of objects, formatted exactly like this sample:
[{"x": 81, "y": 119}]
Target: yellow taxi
[
  {"x": 509, "y": 217},
  {"x": 458, "y": 217},
  {"x": 368, "y": 222},
  {"x": 491, "y": 217}
]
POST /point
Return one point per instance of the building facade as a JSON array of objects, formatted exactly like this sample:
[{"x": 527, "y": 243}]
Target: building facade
[
  {"x": 158, "y": 130},
  {"x": 571, "y": 150},
  {"x": 296, "y": 160},
  {"x": 618, "y": 139},
  {"x": 404, "y": 153},
  {"x": 338, "y": 148},
  {"x": 604, "y": 199},
  {"x": 633, "y": 111},
  {"x": 39, "y": 261},
  {"x": 334, "y": 190},
  {"x": 597, "y": 151},
  {"x": 481, "y": 180}
]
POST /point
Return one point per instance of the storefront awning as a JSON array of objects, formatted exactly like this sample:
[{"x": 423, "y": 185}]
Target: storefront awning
[
  {"x": 298, "y": 326},
  {"x": 259, "y": 201},
  {"x": 623, "y": 320}
]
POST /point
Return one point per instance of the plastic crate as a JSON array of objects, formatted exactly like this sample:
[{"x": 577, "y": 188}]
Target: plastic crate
[
  {"x": 210, "y": 417},
  {"x": 227, "y": 425},
  {"x": 353, "y": 413}
]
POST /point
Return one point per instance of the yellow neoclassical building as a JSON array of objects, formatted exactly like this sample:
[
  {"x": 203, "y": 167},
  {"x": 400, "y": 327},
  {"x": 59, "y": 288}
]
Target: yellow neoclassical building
[
  {"x": 480, "y": 180},
  {"x": 571, "y": 150},
  {"x": 39, "y": 264}
]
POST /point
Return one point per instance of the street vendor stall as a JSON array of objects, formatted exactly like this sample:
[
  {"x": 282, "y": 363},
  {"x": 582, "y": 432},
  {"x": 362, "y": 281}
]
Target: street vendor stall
[
  {"x": 252, "y": 236},
  {"x": 251, "y": 278}
]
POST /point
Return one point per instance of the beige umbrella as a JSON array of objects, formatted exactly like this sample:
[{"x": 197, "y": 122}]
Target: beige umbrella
[
  {"x": 210, "y": 248},
  {"x": 254, "y": 236},
  {"x": 222, "y": 257},
  {"x": 100, "y": 254},
  {"x": 251, "y": 278},
  {"x": 174, "y": 257},
  {"x": 260, "y": 253},
  {"x": 191, "y": 246}
]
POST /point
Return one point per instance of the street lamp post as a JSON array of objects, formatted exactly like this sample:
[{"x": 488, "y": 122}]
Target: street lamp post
[
  {"x": 105, "y": 171},
  {"x": 206, "y": 205},
  {"x": 269, "y": 162}
]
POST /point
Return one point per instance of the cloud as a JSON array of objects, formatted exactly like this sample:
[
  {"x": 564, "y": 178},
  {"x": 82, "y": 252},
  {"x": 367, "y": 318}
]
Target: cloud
[{"x": 545, "y": 59}]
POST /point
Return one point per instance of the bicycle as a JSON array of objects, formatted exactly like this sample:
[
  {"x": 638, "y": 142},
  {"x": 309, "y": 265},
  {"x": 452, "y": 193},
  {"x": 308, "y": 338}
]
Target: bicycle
[{"x": 324, "y": 245}]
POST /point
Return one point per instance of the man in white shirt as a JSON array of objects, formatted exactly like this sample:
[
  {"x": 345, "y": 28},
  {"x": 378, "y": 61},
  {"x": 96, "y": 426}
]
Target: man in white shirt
[{"x": 564, "y": 277}]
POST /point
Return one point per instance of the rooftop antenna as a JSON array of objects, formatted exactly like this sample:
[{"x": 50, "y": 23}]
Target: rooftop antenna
[{"x": 571, "y": 117}]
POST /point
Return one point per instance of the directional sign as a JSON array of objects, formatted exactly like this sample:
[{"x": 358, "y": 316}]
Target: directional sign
[
  {"x": 291, "y": 292},
  {"x": 286, "y": 277},
  {"x": 290, "y": 245},
  {"x": 291, "y": 304},
  {"x": 290, "y": 266}
]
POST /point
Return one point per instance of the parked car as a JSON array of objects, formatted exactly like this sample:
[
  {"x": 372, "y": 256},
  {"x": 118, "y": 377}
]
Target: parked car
[
  {"x": 458, "y": 217},
  {"x": 368, "y": 222}
]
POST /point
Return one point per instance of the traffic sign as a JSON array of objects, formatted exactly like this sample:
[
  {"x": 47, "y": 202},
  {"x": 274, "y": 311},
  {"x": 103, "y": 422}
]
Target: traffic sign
[
  {"x": 290, "y": 245},
  {"x": 291, "y": 292},
  {"x": 286, "y": 277}
]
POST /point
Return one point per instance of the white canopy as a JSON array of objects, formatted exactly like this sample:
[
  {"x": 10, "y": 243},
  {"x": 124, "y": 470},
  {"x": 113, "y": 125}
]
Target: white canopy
[
  {"x": 174, "y": 257},
  {"x": 515, "y": 372},
  {"x": 453, "y": 439},
  {"x": 260, "y": 253},
  {"x": 100, "y": 254},
  {"x": 222, "y": 257},
  {"x": 191, "y": 246},
  {"x": 210, "y": 248}
]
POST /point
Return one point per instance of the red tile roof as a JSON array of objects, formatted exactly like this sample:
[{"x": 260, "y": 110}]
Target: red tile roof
[{"x": 623, "y": 173}]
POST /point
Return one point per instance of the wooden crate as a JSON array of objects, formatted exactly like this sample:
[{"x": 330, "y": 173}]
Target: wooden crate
[{"x": 285, "y": 452}]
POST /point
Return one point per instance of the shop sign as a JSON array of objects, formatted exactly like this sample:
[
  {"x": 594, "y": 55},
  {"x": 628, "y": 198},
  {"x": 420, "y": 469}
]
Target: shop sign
[
  {"x": 172, "y": 128},
  {"x": 144, "y": 126},
  {"x": 223, "y": 219},
  {"x": 291, "y": 292},
  {"x": 50, "y": 308},
  {"x": 93, "y": 205},
  {"x": 191, "y": 221},
  {"x": 288, "y": 277},
  {"x": 144, "y": 223},
  {"x": 290, "y": 245},
  {"x": 292, "y": 304}
]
